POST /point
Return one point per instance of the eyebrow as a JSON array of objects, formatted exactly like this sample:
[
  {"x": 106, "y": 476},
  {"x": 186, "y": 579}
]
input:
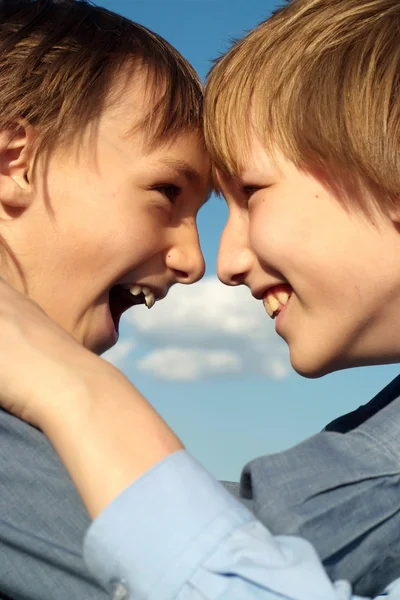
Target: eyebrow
[{"x": 184, "y": 169}]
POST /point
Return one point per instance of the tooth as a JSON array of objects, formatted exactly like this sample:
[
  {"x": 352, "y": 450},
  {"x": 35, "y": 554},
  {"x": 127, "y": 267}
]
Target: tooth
[
  {"x": 283, "y": 297},
  {"x": 146, "y": 291},
  {"x": 274, "y": 303},
  {"x": 136, "y": 290},
  {"x": 268, "y": 308},
  {"x": 149, "y": 300}
]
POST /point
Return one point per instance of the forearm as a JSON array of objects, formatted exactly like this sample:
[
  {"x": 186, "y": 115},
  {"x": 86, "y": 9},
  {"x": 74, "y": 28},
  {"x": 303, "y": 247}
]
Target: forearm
[{"x": 106, "y": 433}]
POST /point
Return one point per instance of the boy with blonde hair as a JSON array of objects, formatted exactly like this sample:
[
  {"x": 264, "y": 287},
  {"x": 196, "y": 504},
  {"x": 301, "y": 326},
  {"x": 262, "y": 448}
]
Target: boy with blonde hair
[{"x": 302, "y": 122}]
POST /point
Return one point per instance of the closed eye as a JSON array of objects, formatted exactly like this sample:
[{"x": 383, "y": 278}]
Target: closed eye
[
  {"x": 249, "y": 190},
  {"x": 170, "y": 191}
]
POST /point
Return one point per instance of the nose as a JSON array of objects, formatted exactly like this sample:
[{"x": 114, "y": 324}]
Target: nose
[
  {"x": 185, "y": 257},
  {"x": 235, "y": 258}
]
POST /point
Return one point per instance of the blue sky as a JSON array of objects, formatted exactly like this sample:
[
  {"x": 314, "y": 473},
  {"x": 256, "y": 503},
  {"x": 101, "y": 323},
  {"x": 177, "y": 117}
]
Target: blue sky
[{"x": 208, "y": 357}]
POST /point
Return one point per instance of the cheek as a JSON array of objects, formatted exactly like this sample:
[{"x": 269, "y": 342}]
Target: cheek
[
  {"x": 309, "y": 257},
  {"x": 276, "y": 236}
]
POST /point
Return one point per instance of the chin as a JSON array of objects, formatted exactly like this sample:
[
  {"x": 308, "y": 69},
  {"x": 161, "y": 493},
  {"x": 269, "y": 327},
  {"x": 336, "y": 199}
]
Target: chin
[
  {"x": 99, "y": 346},
  {"x": 102, "y": 348},
  {"x": 310, "y": 365}
]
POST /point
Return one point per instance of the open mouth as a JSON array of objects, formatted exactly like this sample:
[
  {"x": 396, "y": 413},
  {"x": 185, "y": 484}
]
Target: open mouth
[
  {"x": 121, "y": 299},
  {"x": 276, "y": 299}
]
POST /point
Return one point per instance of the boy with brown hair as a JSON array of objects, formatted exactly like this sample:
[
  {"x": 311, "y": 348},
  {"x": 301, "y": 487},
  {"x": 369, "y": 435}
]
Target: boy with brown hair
[{"x": 102, "y": 172}]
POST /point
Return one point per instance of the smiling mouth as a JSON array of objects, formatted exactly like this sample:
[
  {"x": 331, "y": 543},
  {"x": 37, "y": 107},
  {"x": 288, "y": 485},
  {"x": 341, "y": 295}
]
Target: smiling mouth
[
  {"x": 276, "y": 299},
  {"x": 122, "y": 298}
]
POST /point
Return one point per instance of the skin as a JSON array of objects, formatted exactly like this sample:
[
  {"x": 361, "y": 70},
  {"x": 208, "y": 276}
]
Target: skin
[
  {"x": 285, "y": 226},
  {"x": 288, "y": 226},
  {"x": 102, "y": 212},
  {"x": 66, "y": 392}
]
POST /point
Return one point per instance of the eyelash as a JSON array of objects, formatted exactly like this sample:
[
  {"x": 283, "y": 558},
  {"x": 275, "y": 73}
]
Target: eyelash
[
  {"x": 249, "y": 190},
  {"x": 170, "y": 191}
]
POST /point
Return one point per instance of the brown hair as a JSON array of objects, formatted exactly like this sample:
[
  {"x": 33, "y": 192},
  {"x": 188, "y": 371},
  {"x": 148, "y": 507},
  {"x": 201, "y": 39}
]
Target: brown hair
[
  {"x": 320, "y": 81},
  {"x": 58, "y": 62}
]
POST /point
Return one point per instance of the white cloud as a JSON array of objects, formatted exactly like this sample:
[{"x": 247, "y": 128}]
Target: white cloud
[
  {"x": 276, "y": 368},
  {"x": 208, "y": 330},
  {"x": 118, "y": 353},
  {"x": 182, "y": 364},
  {"x": 206, "y": 311}
]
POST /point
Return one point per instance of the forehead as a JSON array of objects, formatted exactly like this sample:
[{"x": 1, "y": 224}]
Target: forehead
[
  {"x": 186, "y": 157},
  {"x": 131, "y": 100},
  {"x": 257, "y": 163},
  {"x": 145, "y": 98},
  {"x": 129, "y": 125}
]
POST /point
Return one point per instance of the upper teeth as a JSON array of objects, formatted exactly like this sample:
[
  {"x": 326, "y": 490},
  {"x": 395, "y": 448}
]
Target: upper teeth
[
  {"x": 275, "y": 301},
  {"x": 136, "y": 289}
]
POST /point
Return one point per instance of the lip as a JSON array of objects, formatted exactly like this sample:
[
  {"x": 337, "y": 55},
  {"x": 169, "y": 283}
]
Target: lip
[
  {"x": 111, "y": 333},
  {"x": 259, "y": 293},
  {"x": 159, "y": 293},
  {"x": 280, "y": 318},
  {"x": 108, "y": 333},
  {"x": 121, "y": 301}
]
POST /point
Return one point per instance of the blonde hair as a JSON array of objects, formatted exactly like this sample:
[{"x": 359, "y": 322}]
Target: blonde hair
[
  {"x": 59, "y": 60},
  {"x": 320, "y": 81}
]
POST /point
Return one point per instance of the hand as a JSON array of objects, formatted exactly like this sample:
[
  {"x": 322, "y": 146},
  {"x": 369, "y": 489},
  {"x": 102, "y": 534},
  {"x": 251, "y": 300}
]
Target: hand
[
  {"x": 39, "y": 361},
  {"x": 104, "y": 430}
]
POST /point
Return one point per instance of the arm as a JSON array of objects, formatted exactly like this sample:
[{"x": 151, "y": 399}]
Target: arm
[
  {"x": 162, "y": 520},
  {"x": 112, "y": 442},
  {"x": 82, "y": 403},
  {"x": 210, "y": 547}
]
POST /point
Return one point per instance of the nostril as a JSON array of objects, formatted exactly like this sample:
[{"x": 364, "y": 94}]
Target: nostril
[
  {"x": 181, "y": 274},
  {"x": 230, "y": 278},
  {"x": 188, "y": 266},
  {"x": 238, "y": 278}
]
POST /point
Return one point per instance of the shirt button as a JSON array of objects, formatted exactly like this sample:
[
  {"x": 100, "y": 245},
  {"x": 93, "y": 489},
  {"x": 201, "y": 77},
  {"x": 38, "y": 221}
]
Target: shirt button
[{"x": 119, "y": 590}]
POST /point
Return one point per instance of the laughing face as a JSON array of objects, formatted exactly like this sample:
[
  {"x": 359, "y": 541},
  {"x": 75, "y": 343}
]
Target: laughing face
[
  {"x": 330, "y": 277},
  {"x": 108, "y": 225}
]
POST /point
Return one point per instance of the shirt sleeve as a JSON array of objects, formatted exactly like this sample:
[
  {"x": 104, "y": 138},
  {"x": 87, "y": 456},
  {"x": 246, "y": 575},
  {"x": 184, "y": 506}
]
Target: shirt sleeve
[{"x": 176, "y": 533}]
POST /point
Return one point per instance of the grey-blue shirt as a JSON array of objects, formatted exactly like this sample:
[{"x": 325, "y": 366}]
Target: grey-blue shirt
[
  {"x": 42, "y": 521},
  {"x": 340, "y": 491}
]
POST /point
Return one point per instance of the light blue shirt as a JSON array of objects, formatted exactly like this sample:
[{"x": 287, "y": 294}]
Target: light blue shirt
[{"x": 176, "y": 533}]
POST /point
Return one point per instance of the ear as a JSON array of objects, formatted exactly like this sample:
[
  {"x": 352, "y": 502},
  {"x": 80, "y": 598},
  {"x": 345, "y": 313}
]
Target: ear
[{"x": 16, "y": 154}]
